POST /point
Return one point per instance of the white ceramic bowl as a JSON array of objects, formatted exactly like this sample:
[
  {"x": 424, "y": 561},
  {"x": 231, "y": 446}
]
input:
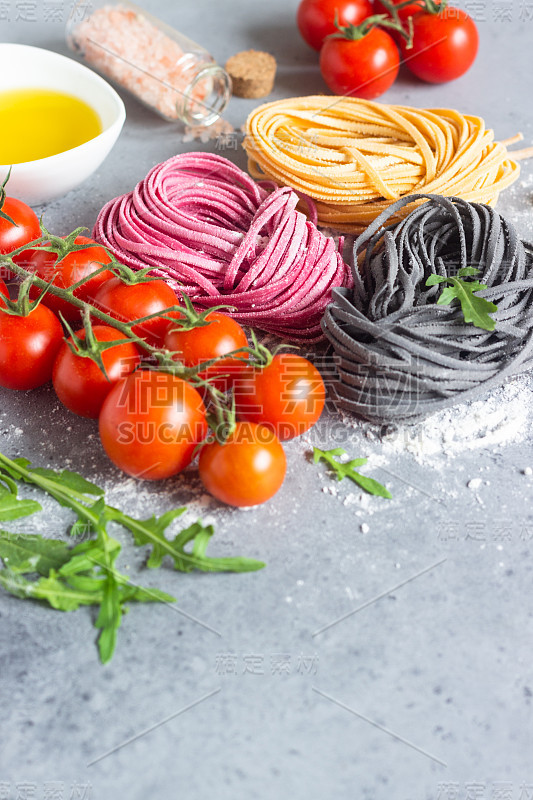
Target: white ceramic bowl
[{"x": 37, "y": 182}]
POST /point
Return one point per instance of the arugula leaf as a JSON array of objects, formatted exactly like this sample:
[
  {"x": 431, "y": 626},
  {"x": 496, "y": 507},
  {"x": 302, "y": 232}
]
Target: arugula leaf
[
  {"x": 109, "y": 620},
  {"x": 64, "y": 486},
  {"x": 10, "y": 505},
  {"x": 346, "y": 469},
  {"x": 475, "y": 309},
  {"x": 69, "y": 480},
  {"x": 24, "y": 553},
  {"x": 84, "y": 556},
  {"x": 55, "y": 590},
  {"x": 152, "y": 532}
]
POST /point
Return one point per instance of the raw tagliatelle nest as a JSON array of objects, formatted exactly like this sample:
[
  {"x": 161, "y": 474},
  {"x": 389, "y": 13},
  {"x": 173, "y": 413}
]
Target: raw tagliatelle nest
[
  {"x": 398, "y": 355},
  {"x": 355, "y": 157},
  {"x": 209, "y": 230}
]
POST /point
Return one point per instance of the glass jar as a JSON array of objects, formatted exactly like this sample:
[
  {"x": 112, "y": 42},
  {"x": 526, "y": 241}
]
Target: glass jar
[{"x": 164, "y": 69}]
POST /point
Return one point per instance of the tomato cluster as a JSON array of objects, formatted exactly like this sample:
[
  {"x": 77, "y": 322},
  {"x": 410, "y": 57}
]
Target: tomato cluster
[
  {"x": 155, "y": 386},
  {"x": 360, "y": 44}
]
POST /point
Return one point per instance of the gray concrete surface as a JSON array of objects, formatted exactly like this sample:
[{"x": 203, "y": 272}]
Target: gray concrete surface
[{"x": 441, "y": 664}]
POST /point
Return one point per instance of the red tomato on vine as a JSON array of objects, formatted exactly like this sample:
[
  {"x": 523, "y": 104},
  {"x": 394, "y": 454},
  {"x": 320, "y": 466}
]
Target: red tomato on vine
[
  {"x": 221, "y": 336},
  {"x": 130, "y": 301},
  {"x": 79, "y": 382},
  {"x": 26, "y": 228},
  {"x": 18, "y": 226},
  {"x": 64, "y": 272},
  {"x": 288, "y": 395},
  {"x": 28, "y": 347},
  {"x": 151, "y": 423},
  {"x": 247, "y": 470},
  {"x": 444, "y": 47},
  {"x": 317, "y": 18},
  {"x": 360, "y": 62}
]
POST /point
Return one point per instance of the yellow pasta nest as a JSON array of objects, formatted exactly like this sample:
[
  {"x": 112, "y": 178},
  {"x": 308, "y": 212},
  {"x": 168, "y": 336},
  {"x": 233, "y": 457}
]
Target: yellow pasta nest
[{"x": 355, "y": 157}]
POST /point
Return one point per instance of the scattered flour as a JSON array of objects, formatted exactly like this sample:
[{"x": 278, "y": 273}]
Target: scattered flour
[
  {"x": 416, "y": 459},
  {"x": 200, "y": 133},
  {"x": 504, "y": 416}
]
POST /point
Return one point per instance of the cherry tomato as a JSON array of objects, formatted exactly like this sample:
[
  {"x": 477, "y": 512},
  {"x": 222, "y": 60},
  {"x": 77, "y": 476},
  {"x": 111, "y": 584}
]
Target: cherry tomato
[
  {"x": 245, "y": 471},
  {"x": 28, "y": 347},
  {"x": 79, "y": 382},
  {"x": 316, "y": 18},
  {"x": 221, "y": 336},
  {"x": 72, "y": 268},
  {"x": 3, "y": 288},
  {"x": 151, "y": 423},
  {"x": 288, "y": 395},
  {"x": 26, "y": 228},
  {"x": 444, "y": 45},
  {"x": 364, "y": 67},
  {"x": 127, "y": 302}
]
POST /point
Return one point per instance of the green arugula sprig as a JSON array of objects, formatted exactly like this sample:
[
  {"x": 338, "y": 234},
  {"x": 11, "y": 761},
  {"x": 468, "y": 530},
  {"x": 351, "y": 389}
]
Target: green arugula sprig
[
  {"x": 346, "y": 469},
  {"x": 475, "y": 309},
  {"x": 86, "y": 573},
  {"x": 89, "y": 577}
]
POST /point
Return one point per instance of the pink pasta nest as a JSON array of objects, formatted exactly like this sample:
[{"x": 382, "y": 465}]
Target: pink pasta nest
[{"x": 207, "y": 228}]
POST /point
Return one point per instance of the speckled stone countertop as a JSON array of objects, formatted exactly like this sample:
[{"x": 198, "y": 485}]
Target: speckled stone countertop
[{"x": 423, "y": 690}]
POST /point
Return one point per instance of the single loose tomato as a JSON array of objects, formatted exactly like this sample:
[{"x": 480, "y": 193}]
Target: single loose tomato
[
  {"x": 151, "y": 423},
  {"x": 248, "y": 469},
  {"x": 130, "y": 301},
  {"x": 360, "y": 67},
  {"x": 28, "y": 347},
  {"x": 79, "y": 382},
  {"x": 288, "y": 395},
  {"x": 74, "y": 267},
  {"x": 221, "y": 336},
  {"x": 316, "y": 18},
  {"x": 444, "y": 47}
]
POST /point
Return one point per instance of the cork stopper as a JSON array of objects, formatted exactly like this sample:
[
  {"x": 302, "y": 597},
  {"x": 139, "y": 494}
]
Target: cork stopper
[{"x": 252, "y": 73}]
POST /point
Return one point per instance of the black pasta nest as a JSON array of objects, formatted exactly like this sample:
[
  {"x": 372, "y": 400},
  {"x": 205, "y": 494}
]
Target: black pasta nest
[{"x": 398, "y": 355}]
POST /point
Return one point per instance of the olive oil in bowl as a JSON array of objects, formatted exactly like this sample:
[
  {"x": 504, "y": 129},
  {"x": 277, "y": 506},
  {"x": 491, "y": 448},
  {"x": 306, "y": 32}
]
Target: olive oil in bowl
[{"x": 37, "y": 123}]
